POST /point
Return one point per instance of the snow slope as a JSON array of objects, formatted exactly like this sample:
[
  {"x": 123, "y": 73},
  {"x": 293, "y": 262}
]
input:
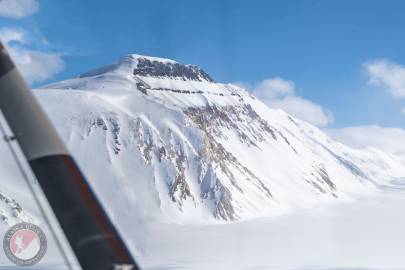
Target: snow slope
[{"x": 163, "y": 143}]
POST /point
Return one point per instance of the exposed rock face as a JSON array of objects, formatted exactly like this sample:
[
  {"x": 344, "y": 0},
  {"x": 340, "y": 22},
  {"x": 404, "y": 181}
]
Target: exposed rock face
[{"x": 150, "y": 68}]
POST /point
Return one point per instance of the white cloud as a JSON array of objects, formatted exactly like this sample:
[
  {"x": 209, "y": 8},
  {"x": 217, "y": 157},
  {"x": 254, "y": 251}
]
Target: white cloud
[
  {"x": 280, "y": 94},
  {"x": 274, "y": 88},
  {"x": 36, "y": 66},
  {"x": 388, "y": 75},
  {"x": 303, "y": 109},
  {"x": 18, "y": 8},
  {"x": 387, "y": 139},
  {"x": 8, "y": 35}
]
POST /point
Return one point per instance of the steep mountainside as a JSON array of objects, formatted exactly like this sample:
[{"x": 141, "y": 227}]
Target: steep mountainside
[
  {"x": 169, "y": 143},
  {"x": 197, "y": 148}
]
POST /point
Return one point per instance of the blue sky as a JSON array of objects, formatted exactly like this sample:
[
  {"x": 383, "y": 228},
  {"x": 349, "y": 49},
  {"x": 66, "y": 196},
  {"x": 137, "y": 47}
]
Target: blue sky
[{"x": 321, "y": 47}]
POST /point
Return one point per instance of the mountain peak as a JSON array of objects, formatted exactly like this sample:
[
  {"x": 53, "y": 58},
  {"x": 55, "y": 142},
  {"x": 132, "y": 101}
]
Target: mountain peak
[
  {"x": 137, "y": 57},
  {"x": 160, "y": 67},
  {"x": 149, "y": 66}
]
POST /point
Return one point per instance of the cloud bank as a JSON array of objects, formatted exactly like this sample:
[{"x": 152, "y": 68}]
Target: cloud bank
[
  {"x": 279, "y": 93},
  {"x": 387, "y": 74},
  {"x": 36, "y": 66},
  {"x": 18, "y": 8},
  {"x": 386, "y": 139}
]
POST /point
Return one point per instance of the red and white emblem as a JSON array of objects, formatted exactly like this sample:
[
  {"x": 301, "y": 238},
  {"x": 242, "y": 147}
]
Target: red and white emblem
[{"x": 25, "y": 244}]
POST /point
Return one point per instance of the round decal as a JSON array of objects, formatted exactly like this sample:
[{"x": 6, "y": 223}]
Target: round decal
[{"x": 25, "y": 244}]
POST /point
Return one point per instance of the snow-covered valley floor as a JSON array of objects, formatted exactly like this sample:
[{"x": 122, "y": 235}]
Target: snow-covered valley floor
[{"x": 366, "y": 234}]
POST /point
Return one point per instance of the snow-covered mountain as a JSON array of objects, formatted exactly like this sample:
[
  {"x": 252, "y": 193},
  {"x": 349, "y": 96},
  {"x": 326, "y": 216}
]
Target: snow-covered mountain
[{"x": 163, "y": 141}]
